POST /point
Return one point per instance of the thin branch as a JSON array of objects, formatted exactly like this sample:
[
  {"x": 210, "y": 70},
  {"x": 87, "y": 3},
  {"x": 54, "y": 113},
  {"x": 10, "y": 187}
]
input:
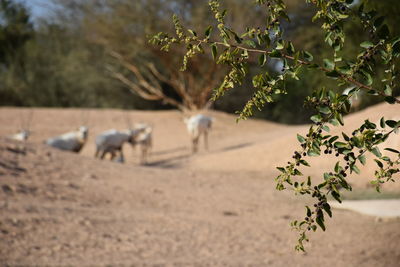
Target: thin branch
[{"x": 302, "y": 62}]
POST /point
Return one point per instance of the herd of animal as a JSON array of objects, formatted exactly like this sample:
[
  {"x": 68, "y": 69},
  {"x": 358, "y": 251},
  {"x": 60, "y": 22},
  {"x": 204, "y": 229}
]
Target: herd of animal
[{"x": 111, "y": 141}]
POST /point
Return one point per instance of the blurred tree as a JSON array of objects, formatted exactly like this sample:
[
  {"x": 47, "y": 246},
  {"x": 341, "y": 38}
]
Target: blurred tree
[
  {"x": 71, "y": 57},
  {"x": 15, "y": 31}
]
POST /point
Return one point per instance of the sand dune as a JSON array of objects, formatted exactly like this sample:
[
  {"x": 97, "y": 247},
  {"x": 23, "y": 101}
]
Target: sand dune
[{"x": 216, "y": 208}]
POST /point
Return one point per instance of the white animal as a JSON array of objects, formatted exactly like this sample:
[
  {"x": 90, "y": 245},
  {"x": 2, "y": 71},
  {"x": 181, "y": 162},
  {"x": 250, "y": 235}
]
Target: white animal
[
  {"x": 198, "y": 125},
  {"x": 111, "y": 141},
  {"x": 20, "y": 136},
  {"x": 145, "y": 142},
  {"x": 72, "y": 141}
]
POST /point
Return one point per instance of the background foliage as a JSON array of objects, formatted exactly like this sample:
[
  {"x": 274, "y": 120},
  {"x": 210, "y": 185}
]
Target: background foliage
[{"x": 62, "y": 59}]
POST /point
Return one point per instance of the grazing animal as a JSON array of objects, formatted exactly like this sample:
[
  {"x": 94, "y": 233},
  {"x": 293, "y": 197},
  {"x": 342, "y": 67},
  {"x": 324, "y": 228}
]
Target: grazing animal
[
  {"x": 20, "y": 136},
  {"x": 72, "y": 141},
  {"x": 145, "y": 142},
  {"x": 198, "y": 125},
  {"x": 111, "y": 141}
]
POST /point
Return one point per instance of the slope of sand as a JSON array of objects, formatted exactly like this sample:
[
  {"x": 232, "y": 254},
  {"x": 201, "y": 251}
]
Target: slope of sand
[{"x": 217, "y": 208}]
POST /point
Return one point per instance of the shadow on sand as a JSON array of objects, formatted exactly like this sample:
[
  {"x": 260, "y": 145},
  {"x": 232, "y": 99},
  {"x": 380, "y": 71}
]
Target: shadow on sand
[
  {"x": 169, "y": 163},
  {"x": 236, "y": 146}
]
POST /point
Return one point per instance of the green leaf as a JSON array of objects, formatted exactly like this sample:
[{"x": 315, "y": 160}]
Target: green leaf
[
  {"x": 262, "y": 59},
  {"x": 334, "y": 122},
  {"x": 290, "y": 48},
  {"x": 366, "y": 44},
  {"x": 382, "y": 122},
  {"x": 275, "y": 54},
  {"x": 362, "y": 159},
  {"x": 316, "y": 118},
  {"x": 376, "y": 152},
  {"x": 339, "y": 117},
  {"x": 380, "y": 164},
  {"x": 337, "y": 167},
  {"x": 250, "y": 43},
  {"x": 340, "y": 145},
  {"x": 280, "y": 45},
  {"x": 308, "y": 211},
  {"x": 336, "y": 196},
  {"x": 367, "y": 77},
  {"x": 388, "y": 91},
  {"x": 327, "y": 209},
  {"x": 192, "y": 32},
  {"x": 390, "y": 99},
  {"x": 355, "y": 169},
  {"x": 305, "y": 163},
  {"x": 325, "y": 128},
  {"x": 207, "y": 33},
  {"x": 324, "y": 110},
  {"x": 301, "y": 139},
  {"x": 320, "y": 222},
  {"x": 214, "y": 51},
  {"x": 392, "y": 150},
  {"x": 329, "y": 64},
  {"x": 391, "y": 123},
  {"x": 345, "y": 136},
  {"x": 313, "y": 153},
  {"x": 281, "y": 169},
  {"x": 333, "y": 74}
]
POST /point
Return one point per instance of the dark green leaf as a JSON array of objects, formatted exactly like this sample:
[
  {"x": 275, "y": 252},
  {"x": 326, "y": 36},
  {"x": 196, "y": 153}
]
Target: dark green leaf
[
  {"x": 308, "y": 211},
  {"x": 327, "y": 209},
  {"x": 208, "y": 31},
  {"x": 336, "y": 196},
  {"x": 262, "y": 59},
  {"x": 392, "y": 150},
  {"x": 380, "y": 164},
  {"x": 192, "y": 32},
  {"x": 383, "y": 32},
  {"x": 275, "y": 54},
  {"x": 382, "y": 122},
  {"x": 214, "y": 51},
  {"x": 320, "y": 222},
  {"x": 391, "y": 123}
]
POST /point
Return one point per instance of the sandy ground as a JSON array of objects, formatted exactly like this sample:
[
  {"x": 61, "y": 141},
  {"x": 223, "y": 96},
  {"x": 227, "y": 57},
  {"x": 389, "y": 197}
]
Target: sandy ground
[{"x": 216, "y": 208}]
